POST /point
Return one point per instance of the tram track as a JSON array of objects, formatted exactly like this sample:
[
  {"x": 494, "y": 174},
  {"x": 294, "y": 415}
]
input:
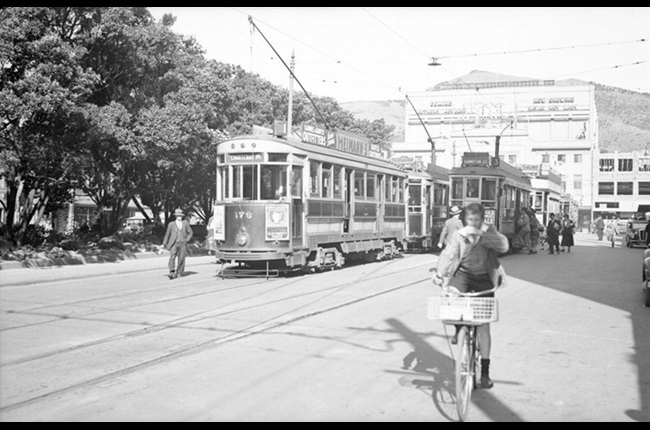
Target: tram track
[
  {"x": 193, "y": 318},
  {"x": 260, "y": 327}
]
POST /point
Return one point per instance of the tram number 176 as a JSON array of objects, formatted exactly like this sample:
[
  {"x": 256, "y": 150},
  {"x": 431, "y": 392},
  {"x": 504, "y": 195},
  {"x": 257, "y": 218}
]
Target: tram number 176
[{"x": 243, "y": 214}]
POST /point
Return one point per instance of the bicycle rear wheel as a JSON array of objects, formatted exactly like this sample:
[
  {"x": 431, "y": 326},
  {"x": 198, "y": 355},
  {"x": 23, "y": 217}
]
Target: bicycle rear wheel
[{"x": 464, "y": 377}]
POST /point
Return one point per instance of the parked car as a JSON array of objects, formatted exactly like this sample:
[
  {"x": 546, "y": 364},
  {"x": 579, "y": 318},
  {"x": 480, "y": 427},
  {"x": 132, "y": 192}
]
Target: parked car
[
  {"x": 646, "y": 276},
  {"x": 636, "y": 234}
]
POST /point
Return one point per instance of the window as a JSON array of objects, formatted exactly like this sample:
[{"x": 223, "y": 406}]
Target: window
[
  {"x": 371, "y": 179},
  {"x": 561, "y": 158},
  {"x": 614, "y": 205},
  {"x": 314, "y": 189},
  {"x": 489, "y": 189},
  {"x": 400, "y": 190},
  {"x": 512, "y": 159},
  {"x": 395, "y": 194},
  {"x": 336, "y": 179},
  {"x": 277, "y": 158},
  {"x": 606, "y": 188},
  {"x": 274, "y": 182},
  {"x": 546, "y": 158},
  {"x": 606, "y": 164},
  {"x": 577, "y": 158},
  {"x": 625, "y": 165},
  {"x": 223, "y": 180},
  {"x": 472, "y": 188},
  {"x": 359, "y": 185},
  {"x": 250, "y": 182},
  {"x": 644, "y": 188},
  {"x": 457, "y": 189},
  {"x": 577, "y": 182},
  {"x": 296, "y": 182},
  {"x": 327, "y": 181},
  {"x": 415, "y": 195},
  {"x": 389, "y": 188},
  {"x": 644, "y": 164},
  {"x": 624, "y": 188}
]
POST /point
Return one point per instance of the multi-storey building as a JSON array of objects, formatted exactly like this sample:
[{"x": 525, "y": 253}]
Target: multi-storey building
[
  {"x": 622, "y": 184},
  {"x": 539, "y": 122}
]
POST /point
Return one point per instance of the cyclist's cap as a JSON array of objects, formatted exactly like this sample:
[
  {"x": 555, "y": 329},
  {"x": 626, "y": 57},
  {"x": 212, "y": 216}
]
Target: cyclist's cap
[{"x": 455, "y": 210}]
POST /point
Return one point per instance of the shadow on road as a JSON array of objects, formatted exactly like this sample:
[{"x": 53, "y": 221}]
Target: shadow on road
[
  {"x": 597, "y": 272},
  {"x": 433, "y": 363}
]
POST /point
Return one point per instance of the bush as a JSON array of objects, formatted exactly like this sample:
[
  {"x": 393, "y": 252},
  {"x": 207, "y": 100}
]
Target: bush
[
  {"x": 110, "y": 242},
  {"x": 72, "y": 244}
]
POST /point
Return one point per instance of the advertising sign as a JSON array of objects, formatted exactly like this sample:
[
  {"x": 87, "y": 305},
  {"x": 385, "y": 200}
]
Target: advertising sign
[
  {"x": 277, "y": 222},
  {"x": 219, "y": 223},
  {"x": 490, "y": 216}
]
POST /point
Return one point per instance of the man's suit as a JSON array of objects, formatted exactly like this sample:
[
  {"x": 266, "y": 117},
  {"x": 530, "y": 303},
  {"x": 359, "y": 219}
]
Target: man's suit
[{"x": 176, "y": 242}]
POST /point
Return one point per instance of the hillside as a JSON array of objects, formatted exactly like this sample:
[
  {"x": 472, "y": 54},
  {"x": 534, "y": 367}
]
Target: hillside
[{"x": 623, "y": 115}]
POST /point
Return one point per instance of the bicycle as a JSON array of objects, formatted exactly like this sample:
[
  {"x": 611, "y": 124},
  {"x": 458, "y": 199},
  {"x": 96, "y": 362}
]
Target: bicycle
[{"x": 469, "y": 311}]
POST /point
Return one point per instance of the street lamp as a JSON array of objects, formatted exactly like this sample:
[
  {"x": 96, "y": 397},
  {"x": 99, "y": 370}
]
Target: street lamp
[{"x": 434, "y": 62}]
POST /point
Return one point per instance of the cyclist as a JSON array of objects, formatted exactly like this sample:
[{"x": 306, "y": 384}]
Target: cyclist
[{"x": 470, "y": 264}]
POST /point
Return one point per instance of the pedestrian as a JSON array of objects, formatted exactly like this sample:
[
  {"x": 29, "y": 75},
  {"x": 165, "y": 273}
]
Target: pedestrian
[
  {"x": 568, "y": 230},
  {"x": 209, "y": 240},
  {"x": 552, "y": 234},
  {"x": 451, "y": 225},
  {"x": 611, "y": 230},
  {"x": 178, "y": 235},
  {"x": 600, "y": 226},
  {"x": 470, "y": 264},
  {"x": 535, "y": 229},
  {"x": 524, "y": 230}
]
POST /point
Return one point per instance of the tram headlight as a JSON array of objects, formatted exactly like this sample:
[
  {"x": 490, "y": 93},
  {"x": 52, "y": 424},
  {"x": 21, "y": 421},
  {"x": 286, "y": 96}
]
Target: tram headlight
[{"x": 242, "y": 239}]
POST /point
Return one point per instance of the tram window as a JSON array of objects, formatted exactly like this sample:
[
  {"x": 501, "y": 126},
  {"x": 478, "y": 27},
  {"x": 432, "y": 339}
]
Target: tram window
[
  {"x": 389, "y": 188},
  {"x": 488, "y": 189},
  {"x": 314, "y": 166},
  {"x": 277, "y": 158},
  {"x": 415, "y": 195},
  {"x": 223, "y": 180},
  {"x": 370, "y": 186},
  {"x": 472, "y": 188},
  {"x": 236, "y": 182},
  {"x": 337, "y": 183},
  {"x": 400, "y": 190},
  {"x": 394, "y": 185},
  {"x": 250, "y": 182},
  {"x": 220, "y": 159},
  {"x": 296, "y": 181},
  {"x": 457, "y": 189},
  {"x": 274, "y": 182},
  {"x": 327, "y": 181},
  {"x": 359, "y": 185}
]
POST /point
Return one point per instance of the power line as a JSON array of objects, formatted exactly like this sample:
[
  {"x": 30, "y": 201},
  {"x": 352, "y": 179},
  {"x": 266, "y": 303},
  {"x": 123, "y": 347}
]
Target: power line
[
  {"x": 542, "y": 49},
  {"x": 399, "y": 35},
  {"x": 597, "y": 70}
]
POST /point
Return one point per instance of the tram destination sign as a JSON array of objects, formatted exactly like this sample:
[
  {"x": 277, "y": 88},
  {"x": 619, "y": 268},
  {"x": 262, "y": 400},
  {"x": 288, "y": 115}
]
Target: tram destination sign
[
  {"x": 248, "y": 157},
  {"x": 476, "y": 159}
]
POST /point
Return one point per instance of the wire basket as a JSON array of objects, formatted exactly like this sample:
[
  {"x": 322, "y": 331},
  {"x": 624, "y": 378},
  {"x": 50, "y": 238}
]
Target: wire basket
[{"x": 464, "y": 309}]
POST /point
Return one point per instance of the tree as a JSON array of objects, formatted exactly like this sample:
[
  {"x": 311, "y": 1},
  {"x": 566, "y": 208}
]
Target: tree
[{"x": 43, "y": 91}]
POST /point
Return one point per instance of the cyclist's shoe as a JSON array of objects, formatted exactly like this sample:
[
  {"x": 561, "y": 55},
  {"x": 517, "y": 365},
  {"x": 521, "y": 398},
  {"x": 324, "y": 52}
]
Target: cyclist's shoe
[{"x": 486, "y": 382}]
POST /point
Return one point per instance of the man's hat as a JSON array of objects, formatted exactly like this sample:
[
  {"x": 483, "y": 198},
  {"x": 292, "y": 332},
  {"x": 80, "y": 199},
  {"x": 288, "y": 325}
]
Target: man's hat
[
  {"x": 179, "y": 212},
  {"x": 455, "y": 210}
]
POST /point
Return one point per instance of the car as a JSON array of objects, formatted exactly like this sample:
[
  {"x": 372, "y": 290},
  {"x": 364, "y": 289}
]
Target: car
[
  {"x": 636, "y": 234},
  {"x": 646, "y": 276}
]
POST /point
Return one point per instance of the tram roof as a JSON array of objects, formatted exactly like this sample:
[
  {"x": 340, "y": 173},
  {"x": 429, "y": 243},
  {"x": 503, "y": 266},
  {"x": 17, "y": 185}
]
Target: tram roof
[
  {"x": 321, "y": 149},
  {"x": 431, "y": 172},
  {"x": 504, "y": 170}
]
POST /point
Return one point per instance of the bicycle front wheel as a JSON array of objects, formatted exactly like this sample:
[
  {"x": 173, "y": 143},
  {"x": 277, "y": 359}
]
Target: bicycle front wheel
[{"x": 464, "y": 377}]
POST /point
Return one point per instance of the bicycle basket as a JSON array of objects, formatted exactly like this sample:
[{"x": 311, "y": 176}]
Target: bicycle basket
[{"x": 468, "y": 309}]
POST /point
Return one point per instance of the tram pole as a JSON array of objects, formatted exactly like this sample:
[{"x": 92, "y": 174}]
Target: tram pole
[
  {"x": 290, "y": 109},
  {"x": 430, "y": 139}
]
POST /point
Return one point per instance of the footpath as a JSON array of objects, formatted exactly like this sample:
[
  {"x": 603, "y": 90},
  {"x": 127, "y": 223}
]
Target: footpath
[{"x": 15, "y": 274}]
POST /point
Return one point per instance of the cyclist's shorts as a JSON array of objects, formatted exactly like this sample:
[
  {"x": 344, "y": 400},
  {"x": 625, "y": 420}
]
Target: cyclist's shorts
[{"x": 468, "y": 283}]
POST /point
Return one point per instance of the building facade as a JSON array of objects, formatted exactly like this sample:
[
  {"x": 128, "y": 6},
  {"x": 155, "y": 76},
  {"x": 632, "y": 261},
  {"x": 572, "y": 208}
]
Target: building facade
[
  {"x": 622, "y": 183},
  {"x": 539, "y": 123}
]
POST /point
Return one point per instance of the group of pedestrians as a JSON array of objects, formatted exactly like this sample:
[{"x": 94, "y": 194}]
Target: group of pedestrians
[{"x": 608, "y": 228}]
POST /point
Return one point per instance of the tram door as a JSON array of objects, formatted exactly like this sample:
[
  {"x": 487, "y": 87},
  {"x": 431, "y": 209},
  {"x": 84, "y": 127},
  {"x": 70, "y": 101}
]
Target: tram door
[
  {"x": 381, "y": 195},
  {"x": 296, "y": 222},
  {"x": 349, "y": 186}
]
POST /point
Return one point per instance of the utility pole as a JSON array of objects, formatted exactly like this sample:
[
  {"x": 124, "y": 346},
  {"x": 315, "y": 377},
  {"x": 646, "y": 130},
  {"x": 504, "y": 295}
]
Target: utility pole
[{"x": 290, "y": 113}]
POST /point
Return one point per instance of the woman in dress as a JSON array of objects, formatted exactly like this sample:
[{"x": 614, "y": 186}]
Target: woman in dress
[{"x": 568, "y": 229}]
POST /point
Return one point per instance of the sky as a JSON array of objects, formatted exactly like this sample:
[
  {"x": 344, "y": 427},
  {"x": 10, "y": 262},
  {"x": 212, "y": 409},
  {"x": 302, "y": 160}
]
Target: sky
[{"x": 375, "y": 53}]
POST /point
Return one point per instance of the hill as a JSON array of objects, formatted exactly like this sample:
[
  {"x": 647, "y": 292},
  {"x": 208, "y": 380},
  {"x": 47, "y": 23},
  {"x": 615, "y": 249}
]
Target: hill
[{"x": 623, "y": 115}]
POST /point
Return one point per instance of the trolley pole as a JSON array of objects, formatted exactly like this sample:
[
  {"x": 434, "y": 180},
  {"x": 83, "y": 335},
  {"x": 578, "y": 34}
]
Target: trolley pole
[{"x": 290, "y": 110}]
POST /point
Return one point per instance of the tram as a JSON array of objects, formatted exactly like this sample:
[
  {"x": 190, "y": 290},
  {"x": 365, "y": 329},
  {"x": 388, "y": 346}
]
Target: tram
[
  {"x": 502, "y": 188},
  {"x": 285, "y": 205},
  {"x": 428, "y": 197}
]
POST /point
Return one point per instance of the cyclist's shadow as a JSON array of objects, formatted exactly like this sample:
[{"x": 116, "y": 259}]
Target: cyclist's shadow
[
  {"x": 439, "y": 369},
  {"x": 436, "y": 366}
]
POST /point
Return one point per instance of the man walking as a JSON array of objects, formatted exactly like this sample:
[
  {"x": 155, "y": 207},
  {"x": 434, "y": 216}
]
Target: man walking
[
  {"x": 524, "y": 230},
  {"x": 535, "y": 228},
  {"x": 552, "y": 234},
  {"x": 600, "y": 226},
  {"x": 451, "y": 225},
  {"x": 176, "y": 238}
]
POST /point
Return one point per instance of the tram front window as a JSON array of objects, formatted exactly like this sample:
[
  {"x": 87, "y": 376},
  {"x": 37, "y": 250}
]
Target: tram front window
[
  {"x": 274, "y": 180},
  {"x": 244, "y": 182},
  {"x": 472, "y": 188},
  {"x": 415, "y": 195}
]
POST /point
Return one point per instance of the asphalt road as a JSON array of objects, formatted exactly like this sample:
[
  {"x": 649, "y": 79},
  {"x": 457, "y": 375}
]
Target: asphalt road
[{"x": 354, "y": 344}]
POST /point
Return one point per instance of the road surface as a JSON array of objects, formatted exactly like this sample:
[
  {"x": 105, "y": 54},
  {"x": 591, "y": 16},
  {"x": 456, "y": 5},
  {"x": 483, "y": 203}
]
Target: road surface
[{"x": 354, "y": 344}]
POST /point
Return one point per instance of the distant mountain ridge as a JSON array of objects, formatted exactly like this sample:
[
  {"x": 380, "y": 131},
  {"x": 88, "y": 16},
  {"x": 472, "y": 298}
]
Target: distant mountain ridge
[{"x": 623, "y": 115}]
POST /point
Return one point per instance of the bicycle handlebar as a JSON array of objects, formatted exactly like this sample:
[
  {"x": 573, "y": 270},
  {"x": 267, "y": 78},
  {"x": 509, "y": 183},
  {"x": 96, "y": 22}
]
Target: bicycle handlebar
[{"x": 446, "y": 289}]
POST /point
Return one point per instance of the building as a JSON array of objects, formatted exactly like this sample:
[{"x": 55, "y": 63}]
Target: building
[
  {"x": 622, "y": 183},
  {"x": 538, "y": 123}
]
